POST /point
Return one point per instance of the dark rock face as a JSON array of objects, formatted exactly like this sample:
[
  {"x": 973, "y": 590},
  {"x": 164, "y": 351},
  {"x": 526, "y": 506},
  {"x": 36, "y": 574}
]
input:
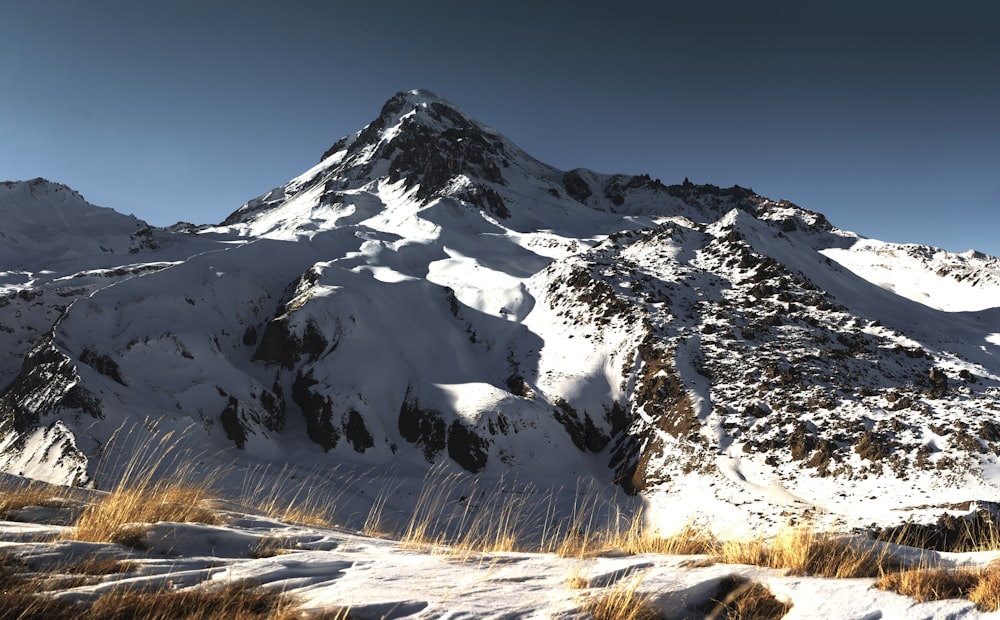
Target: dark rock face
[
  {"x": 250, "y": 336},
  {"x": 428, "y": 151},
  {"x": 661, "y": 395},
  {"x": 357, "y": 433},
  {"x": 424, "y": 428},
  {"x": 279, "y": 345},
  {"x": 242, "y": 419},
  {"x": 488, "y": 199},
  {"x": 583, "y": 432},
  {"x": 143, "y": 239},
  {"x": 370, "y": 134},
  {"x": 102, "y": 364},
  {"x": 431, "y": 160},
  {"x": 618, "y": 186},
  {"x": 274, "y": 409},
  {"x": 576, "y": 186},
  {"x": 693, "y": 193},
  {"x": 467, "y": 448},
  {"x": 318, "y": 412},
  {"x": 231, "y": 423}
]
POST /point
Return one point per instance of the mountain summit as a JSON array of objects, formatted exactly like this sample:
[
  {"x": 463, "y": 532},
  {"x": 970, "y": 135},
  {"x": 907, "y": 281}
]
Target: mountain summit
[
  {"x": 430, "y": 296},
  {"x": 423, "y": 141}
]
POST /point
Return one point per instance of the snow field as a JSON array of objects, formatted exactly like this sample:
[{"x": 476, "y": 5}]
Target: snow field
[{"x": 323, "y": 570}]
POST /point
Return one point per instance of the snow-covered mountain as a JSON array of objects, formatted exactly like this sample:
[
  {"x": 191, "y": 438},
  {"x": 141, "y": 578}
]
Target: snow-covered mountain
[{"x": 428, "y": 293}]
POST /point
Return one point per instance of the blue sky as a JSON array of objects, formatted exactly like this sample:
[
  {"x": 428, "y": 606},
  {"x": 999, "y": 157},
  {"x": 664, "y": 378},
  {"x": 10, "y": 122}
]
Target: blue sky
[{"x": 886, "y": 118}]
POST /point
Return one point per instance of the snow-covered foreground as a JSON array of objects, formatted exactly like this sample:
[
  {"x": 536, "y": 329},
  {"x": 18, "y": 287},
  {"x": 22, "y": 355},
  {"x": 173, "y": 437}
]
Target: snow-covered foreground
[{"x": 328, "y": 568}]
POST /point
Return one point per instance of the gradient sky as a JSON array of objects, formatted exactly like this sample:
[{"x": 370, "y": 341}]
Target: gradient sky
[{"x": 884, "y": 116}]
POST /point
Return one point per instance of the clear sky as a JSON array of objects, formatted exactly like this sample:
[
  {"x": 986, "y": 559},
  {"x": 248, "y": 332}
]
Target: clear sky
[{"x": 885, "y": 116}]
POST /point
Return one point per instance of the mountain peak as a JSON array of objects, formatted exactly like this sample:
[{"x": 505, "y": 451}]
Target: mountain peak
[
  {"x": 421, "y": 97},
  {"x": 425, "y": 107},
  {"x": 427, "y": 142},
  {"x": 416, "y": 107}
]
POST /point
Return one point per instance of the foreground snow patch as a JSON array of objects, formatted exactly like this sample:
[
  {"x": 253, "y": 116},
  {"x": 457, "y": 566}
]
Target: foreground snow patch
[{"x": 323, "y": 569}]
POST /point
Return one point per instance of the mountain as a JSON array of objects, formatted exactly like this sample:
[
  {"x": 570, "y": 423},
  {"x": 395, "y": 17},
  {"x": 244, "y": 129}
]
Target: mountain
[{"x": 429, "y": 295}]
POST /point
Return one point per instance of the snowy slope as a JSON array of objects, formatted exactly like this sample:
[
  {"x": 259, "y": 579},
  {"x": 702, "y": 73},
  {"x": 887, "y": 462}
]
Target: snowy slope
[
  {"x": 952, "y": 282},
  {"x": 430, "y": 295}
]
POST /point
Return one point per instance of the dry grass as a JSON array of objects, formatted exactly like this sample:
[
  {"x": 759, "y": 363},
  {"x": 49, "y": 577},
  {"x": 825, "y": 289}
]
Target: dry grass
[
  {"x": 623, "y": 601},
  {"x": 121, "y": 516},
  {"x": 24, "y": 604},
  {"x": 577, "y": 582},
  {"x": 979, "y": 585},
  {"x": 81, "y": 573},
  {"x": 741, "y": 599},
  {"x": 691, "y": 539},
  {"x": 145, "y": 493},
  {"x": 23, "y": 597},
  {"x": 577, "y": 579},
  {"x": 496, "y": 527},
  {"x": 635, "y": 537},
  {"x": 13, "y": 498},
  {"x": 98, "y": 566},
  {"x": 979, "y": 531},
  {"x": 319, "y": 516},
  {"x": 19, "y": 593},
  {"x": 452, "y": 518},
  {"x": 453, "y": 515},
  {"x": 309, "y": 499},
  {"x": 802, "y": 550},
  {"x": 930, "y": 584},
  {"x": 374, "y": 525},
  {"x": 270, "y": 546},
  {"x": 232, "y": 601},
  {"x": 986, "y": 593}
]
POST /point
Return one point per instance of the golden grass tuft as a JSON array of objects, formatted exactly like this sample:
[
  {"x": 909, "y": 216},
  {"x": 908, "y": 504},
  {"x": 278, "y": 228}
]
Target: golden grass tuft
[
  {"x": 577, "y": 582},
  {"x": 978, "y": 531},
  {"x": 691, "y": 539},
  {"x": 623, "y": 601},
  {"x": 19, "y": 593},
  {"x": 122, "y": 516},
  {"x": 13, "y": 498},
  {"x": 742, "y": 599},
  {"x": 453, "y": 519},
  {"x": 634, "y": 537},
  {"x": 231, "y": 601},
  {"x": 309, "y": 499},
  {"x": 270, "y": 546},
  {"x": 930, "y": 584},
  {"x": 802, "y": 550},
  {"x": 979, "y": 585},
  {"x": 986, "y": 593},
  {"x": 98, "y": 566}
]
